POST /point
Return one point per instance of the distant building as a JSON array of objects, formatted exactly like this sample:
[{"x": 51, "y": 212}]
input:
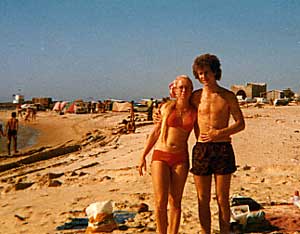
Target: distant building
[
  {"x": 42, "y": 101},
  {"x": 251, "y": 90},
  {"x": 18, "y": 99},
  {"x": 288, "y": 93},
  {"x": 274, "y": 94}
]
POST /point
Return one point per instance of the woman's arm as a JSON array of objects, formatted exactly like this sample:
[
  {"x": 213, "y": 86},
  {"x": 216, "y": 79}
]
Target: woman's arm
[{"x": 152, "y": 139}]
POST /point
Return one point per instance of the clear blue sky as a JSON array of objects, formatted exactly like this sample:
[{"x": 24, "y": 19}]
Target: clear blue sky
[{"x": 130, "y": 49}]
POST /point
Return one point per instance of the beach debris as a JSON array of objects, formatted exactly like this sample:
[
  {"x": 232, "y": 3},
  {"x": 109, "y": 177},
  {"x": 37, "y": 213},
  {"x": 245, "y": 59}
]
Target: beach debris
[
  {"x": 73, "y": 173},
  {"x": 54, "y": 183},
  {"x": 105, "y": 178},
  {"x": 247, "y": 221},
  {"x": 279, "y": 121},
  {"x": 74, "y": 224},
  {"x": 142, "y": 221},
  {"x": 82, "y": 173},
  {"x": 121, "y": 216},
  {"x": 143, "y": 207},
  {"x": 241, "y": 200},
  {"x": 93, "y": 137},
  {"x": 22, "y": 218},
  {"x": 54, "y": 175},
  {"x": 87, "y": 166},
  {"x": 40, "y": 156},
  {"x": 47, "y": 179},
  {"x": 246, "y": 168},
  {"x": 100, "y": 215},
  {"x": 239, "y": 213},
  {"x": 296, "y": 199},
  {"x": 23, "y": 185}
]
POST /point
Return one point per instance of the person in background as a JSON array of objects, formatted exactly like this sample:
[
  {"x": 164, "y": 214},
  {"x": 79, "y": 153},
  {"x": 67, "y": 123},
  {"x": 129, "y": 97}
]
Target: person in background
[
  {"x": 130, "y": 125},
  {"x": 1, "y": 130},
  {"x": 11, "y": 130},
  {"x": 1, "y": 134},
  {"x": 213, "y": 153},
  {"x": 19, "y": 111},
  {"x": 150, "y": 109},
  {"x": 170, "y": 158}
]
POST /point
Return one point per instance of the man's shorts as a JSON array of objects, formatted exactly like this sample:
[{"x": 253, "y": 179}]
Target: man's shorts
[{"x": 213, "y": 158}]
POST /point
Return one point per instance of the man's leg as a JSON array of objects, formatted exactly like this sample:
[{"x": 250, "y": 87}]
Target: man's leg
[
  {"x": 203, "y": 187},
  {"x": 8, "y": 143},
  {"x": 222, "y": 190},
  {"x": 15, "y": 143}
]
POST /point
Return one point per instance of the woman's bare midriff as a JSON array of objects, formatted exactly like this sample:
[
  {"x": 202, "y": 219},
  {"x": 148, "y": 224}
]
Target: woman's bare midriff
[{"x": 176, "y": 141}]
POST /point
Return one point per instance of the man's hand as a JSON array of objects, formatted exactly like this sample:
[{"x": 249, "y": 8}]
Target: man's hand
[
  {"x": 157, "y": 117},
  {"x": 212, "y": 135}
]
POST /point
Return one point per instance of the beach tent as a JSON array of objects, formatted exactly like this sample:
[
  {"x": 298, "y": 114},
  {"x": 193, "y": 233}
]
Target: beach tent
[
  {"x": 59, "y": 106},
  {"x": 76, "y": 107},
  {"x": 62, "y": 105},
  {"x": 70, "y": 108},
  {"x": 56, "y": 106},
  {"x": 121, "y": 106}
]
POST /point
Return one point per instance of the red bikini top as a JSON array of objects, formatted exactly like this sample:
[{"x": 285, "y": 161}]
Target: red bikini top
[{"x": 176, "y": 121}]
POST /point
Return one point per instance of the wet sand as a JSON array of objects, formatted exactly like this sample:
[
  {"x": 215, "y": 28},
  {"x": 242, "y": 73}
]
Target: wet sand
[{"x": 27, "y": 137}]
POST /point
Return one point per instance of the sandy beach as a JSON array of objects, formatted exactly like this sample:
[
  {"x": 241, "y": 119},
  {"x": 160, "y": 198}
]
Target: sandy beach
[{"x": 96, "y": 165}]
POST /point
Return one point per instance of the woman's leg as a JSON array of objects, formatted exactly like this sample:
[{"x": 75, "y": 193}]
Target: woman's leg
[
  {"x": 179, "y": 174},
  {"x": 160, "y": 172},
  {"x": 203, "y": 187},
  {"x": 222, "y": 190}
]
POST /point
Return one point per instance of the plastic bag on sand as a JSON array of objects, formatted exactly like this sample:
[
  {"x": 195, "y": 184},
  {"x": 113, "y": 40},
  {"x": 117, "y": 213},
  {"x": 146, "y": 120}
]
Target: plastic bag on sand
[{"x": 100, "y": 217}]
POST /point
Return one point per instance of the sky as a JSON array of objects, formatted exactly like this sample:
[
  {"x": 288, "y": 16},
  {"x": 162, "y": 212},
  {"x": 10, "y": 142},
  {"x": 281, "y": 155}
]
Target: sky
[{"x": 132, "y": 49}]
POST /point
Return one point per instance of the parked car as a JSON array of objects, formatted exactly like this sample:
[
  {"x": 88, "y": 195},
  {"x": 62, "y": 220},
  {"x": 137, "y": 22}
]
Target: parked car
[
  {"x": 250, "y": 100},
  {"x": 80, "y": 108},
  {"x": 262, "y": 100},
  {"x": 281, "y": 102},
  {"x": 138, "y": 107}
]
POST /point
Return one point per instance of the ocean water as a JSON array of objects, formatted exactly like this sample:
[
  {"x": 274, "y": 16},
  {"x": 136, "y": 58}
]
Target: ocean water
[{"x": 27, "y": 137}]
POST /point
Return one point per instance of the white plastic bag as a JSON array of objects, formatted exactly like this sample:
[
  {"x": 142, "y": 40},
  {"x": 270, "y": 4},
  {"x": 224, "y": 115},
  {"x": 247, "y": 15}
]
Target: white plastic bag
[{"x": 100, "y": 216}]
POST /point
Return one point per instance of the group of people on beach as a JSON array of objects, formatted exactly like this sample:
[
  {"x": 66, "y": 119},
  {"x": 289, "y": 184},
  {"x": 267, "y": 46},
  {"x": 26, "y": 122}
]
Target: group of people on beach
[
  {"x": 206, "y": 111},
  {"x": 11, "y": 131},
  {"x": 30, "y": 113}
]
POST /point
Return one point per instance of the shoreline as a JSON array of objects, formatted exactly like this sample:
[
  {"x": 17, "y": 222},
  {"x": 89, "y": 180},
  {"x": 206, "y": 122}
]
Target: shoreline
[{"x": 27, "y": 138}]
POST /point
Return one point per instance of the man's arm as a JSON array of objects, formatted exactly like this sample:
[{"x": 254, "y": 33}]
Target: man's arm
[
  {"x": 237, "y": 115},
  {"x": 237, "y": 126},
  {"x": 196, "y": 129}
]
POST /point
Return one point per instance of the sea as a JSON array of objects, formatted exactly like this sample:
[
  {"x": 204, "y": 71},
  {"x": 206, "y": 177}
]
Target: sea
[{"x": 27, "y": 136}]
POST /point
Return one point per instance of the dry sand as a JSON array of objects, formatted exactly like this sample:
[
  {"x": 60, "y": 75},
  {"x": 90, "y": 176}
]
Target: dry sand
[{"x": 267, "y": 152}]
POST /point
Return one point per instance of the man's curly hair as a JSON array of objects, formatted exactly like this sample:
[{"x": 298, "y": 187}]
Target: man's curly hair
[{"x": 208, "y": 60}]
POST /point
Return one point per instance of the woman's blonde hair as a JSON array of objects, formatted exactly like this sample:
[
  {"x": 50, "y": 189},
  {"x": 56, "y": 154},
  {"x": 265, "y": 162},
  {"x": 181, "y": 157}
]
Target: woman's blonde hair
[{"x": 169, "y": 106}]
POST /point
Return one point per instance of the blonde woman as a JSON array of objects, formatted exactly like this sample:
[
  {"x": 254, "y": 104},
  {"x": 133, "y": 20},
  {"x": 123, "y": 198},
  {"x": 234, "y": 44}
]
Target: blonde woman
[{"x": 170, "y": 159}]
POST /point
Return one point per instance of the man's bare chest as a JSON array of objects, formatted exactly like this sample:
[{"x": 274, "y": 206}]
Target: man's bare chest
[{"x": 212, "y": 106}]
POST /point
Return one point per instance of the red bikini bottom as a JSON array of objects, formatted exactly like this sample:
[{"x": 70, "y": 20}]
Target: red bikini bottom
[{"x": 170, "y": 158}]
